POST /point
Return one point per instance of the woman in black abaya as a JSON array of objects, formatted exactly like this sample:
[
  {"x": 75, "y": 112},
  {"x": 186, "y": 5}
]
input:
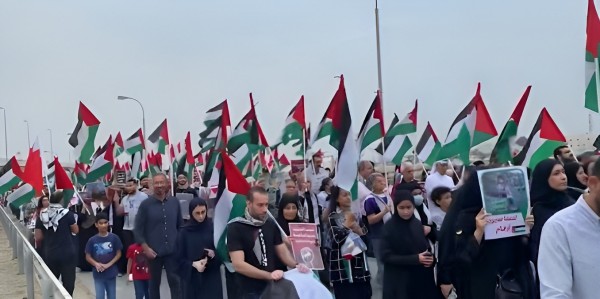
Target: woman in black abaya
[
  {"x": 199, "y": 265},
  {"x": 548, "y": 196},
  {"x": 408, "y": 271},
  {"x": 478, "y": 262}
]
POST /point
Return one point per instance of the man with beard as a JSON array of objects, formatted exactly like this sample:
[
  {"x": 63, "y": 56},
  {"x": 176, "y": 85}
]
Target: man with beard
[
  {"x": 145, "y": 184},
  {"x": 183, "y": 186},
  {"x": 254, "y": 244},
  {"x": 128, "y": 208},
  {"x": 564, "y": 154},
  {"x": 156, "y": 227}
]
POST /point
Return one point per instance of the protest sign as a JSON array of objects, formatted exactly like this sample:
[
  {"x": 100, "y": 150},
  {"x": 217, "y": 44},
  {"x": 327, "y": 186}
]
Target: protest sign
[{"x": 505, "y": 196}]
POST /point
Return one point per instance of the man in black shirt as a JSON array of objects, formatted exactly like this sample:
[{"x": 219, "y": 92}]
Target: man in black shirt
[
  {"x": 56, "y": 226},
  {"x": 254, "y": 243},
  {"x": 156, "y": 226}
]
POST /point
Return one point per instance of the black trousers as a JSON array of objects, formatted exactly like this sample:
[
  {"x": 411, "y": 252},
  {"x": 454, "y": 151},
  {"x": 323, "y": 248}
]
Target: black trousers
[
  {"x": 64, "y": 270},
  {"x": 127, "y": 240},
  {"x": 170, "y": 264}
]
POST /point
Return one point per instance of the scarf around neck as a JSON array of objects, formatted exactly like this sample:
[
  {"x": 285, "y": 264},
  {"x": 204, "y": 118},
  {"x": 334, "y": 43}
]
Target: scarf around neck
[
  {"x": 51, "y": 215},
  {"x": 249, "y": 220}
]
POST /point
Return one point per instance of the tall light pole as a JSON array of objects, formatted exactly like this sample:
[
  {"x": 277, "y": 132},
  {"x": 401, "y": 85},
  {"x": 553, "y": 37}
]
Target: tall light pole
[
  {"x": 28, "y": 138},
  {"x": 51, "y": 148},
  {"x": 380, "y": 85},
  {"x": 5, "y": 135},
  {"x": 122, "y": 98},
  {"x": 135, "y": 165}
]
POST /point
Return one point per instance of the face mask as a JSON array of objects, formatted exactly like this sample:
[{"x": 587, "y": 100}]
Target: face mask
[{"x": 418, "y": 200}]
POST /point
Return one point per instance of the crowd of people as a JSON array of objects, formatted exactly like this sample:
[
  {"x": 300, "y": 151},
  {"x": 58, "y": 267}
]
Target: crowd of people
[{"x": 427, "y": 236}]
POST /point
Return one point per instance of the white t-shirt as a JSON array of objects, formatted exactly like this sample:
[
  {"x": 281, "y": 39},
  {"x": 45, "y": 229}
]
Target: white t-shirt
[
  {"x": 131, "y": 204},
  {"x": 316, "y": 178}
]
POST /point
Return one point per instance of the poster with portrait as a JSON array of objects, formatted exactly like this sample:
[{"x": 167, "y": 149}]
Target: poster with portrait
[
  {"x": 505, "y": 196},
  {"x": 305, "y": 245}
]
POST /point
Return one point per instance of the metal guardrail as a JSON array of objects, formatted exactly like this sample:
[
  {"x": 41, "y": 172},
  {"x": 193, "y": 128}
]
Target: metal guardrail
[{"x": 29, "y": 262}]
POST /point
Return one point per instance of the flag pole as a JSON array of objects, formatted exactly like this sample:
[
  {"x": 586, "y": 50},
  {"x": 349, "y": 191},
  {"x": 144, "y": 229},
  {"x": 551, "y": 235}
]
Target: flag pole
[
  {"x": 387, "y": 185},
  {"x": 304, "y": 164},
  {"x": 170, "y": 169},
  {"x": 453, "y": 170}
]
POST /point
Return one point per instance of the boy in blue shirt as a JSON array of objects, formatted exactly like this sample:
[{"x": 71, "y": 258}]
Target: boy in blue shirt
[{"x": 102, "y": 251}]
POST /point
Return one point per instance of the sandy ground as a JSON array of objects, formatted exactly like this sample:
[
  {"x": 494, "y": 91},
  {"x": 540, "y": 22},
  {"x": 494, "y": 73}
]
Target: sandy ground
[{"x": 13, "y": 286}]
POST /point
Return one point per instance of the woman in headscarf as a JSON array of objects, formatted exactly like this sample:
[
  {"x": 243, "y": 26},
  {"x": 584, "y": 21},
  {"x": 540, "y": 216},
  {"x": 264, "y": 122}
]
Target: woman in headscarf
[
  {"x": 350, "y": 277},
  {"x": 288, "y": 213},
  {"x": 407, "y": 254},
  {"x": 199, "y": 266},
  {"x": 437, "y": 178},
  {"x": 576, "y": 179},
  {"x": 422, "y": 212},
  {"x": 478, "y": 262},
  {"x": 548, "y": 196},
  {"x": 446, "y": 276}
]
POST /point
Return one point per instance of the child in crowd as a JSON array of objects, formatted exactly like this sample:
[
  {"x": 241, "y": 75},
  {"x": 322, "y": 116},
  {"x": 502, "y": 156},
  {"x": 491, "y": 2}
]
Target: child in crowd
[
  {"x": 102, "y": 251},
  {"x": 138, "y": 272}
]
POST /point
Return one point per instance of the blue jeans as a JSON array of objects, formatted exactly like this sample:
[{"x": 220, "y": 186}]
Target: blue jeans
[
  {"x": 142, "y": 289},
  {"x": 106, "y": 286}
]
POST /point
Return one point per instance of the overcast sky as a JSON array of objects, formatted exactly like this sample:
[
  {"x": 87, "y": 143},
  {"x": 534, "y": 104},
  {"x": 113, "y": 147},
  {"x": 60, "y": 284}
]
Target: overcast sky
[{"x": 182, "y": 57}]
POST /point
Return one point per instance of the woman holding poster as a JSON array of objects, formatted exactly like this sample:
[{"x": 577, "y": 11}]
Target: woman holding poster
[{"x": 480, "y": 261}]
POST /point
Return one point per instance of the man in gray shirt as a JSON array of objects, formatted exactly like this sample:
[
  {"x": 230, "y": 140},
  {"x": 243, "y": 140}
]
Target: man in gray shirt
[
  {"x": 568, "y": 260},
  {"x": 156, "y": 226},
  {"x": 129, "y": 207}
]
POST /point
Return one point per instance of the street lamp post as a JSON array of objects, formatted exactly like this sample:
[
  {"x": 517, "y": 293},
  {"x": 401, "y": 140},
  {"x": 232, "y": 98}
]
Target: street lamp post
[
  {"x": 28, "y": 138},
  {"x": 122, "y": 98},
  {"x": 51, "y": 148},
  {"x": 5, "y": 135}
]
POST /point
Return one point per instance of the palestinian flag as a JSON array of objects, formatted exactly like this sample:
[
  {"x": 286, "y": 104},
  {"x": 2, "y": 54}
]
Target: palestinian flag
[
  {"x": 543, "y": 140},
  {"x": 342, "y": 139},
  {"x": 144, "y": 169},
  {"x": 295, "y": 125},
  {"x": 119, "y": 147},
  {"x": 160, "y": 137},
  {"x": 472, "y": 126},
  {"x": 591, "y": 58},
  {"x": 247, "y": 131},
  {"x": 230, "y": 202},
  {"x": 154, "y": 163},
  {"x": 372, "y": 129},
  {"x": 11, "y": 177},
  {"x": 186, "y": 161},
  {"x": 396, "y": 141},
  {"x": 63, "y": 182},
  {"x": 199, "y": 158},
  {"x": 135, "y": 143},
  {"x": 79, "y": 174},
  {"x": 49, "y": 175},
  {"x": 82, "y": 138},
  {"x": 213, "y": 121},
  {"x": 102, "y": 165},
  {"x": 503, "y": 152},
  {"x": 428, "y": 147},
  {"x": 22, "y": 195},
  {"x": 101, "y": 150}
]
